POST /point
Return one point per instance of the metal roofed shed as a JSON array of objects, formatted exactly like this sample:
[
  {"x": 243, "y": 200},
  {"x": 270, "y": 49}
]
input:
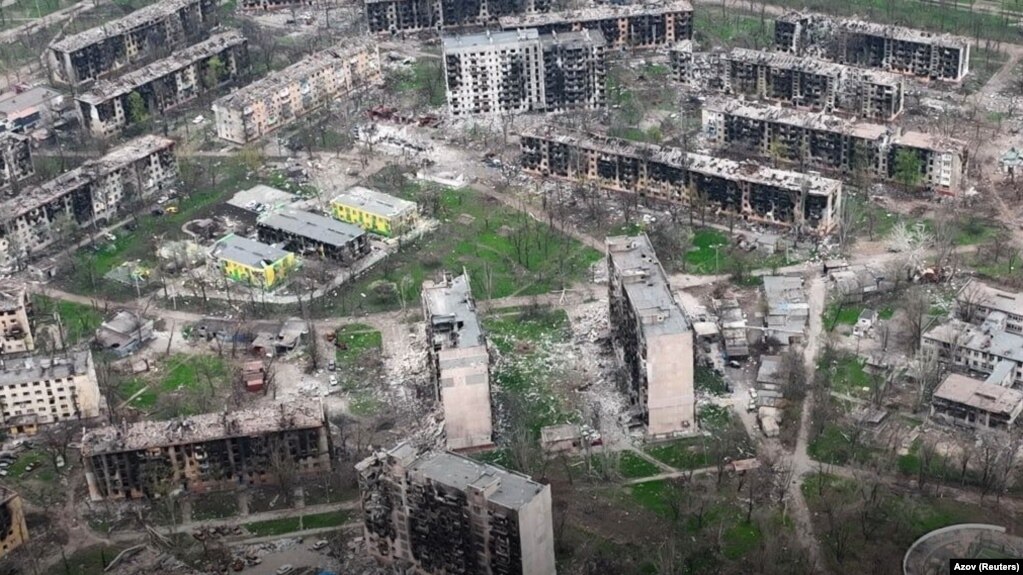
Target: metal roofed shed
[
  {"x": 375, "y": 202},
  {"x": 313, "y": 226},
  {"x": 248, "y": 252}
]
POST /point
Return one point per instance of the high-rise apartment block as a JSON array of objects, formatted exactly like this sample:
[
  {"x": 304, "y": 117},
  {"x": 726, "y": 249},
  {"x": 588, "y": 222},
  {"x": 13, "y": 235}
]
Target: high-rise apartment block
[
  {"x": 741, "y": 189},
  {"x": 631, "y": 25},
  {"x": 411, "y": 15},
  {"x": 829, "y": 142},
  {"x": 13, "y": 531},
  {"x": 141, "y": 35},
  {"x": 15, "y": 327},
  {"x": 212, "y": 451},
  {"x": 459, "y": 361},
  {"x": 522, "y": 71},
  {"x": 15, "y": 160},
  {"x": 96, "y": 191},
  {"x": 107, "y": 107},
  {"x": 651, "y": 337},
  {"x": 893, "y": 48},
  {"x": 441, "y": 513},
  {"x": 813, "y": 84},
  {"x": 38, "y": 390},
  {"x": 274, "y": 101}
]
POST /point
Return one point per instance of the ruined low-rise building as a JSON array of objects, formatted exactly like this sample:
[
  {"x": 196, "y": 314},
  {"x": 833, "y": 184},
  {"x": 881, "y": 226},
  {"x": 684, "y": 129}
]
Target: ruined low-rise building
[
  {"x": 651, "y": 337},
  {"x": 976, "y": 300},
  {"x": 38, "y": 390},
  {"x": 275, "y": 100},
  {"x": 306, "y": 233},
  {"x": 970, "y": 402},
  {"x": 13, "y": 531},
  {"x": 141, "y": 35},
  {"x": 96, "y": 191},
  {"x": 828, "y": 142},
  {"x": 893, "y": 48},
  {"x": 207, "y": 452},
  {"x": 15, "y": 160},
  {"x": 987, "y": 350},
  {"x": 812, "y": 84},
  {"x": 459, "y": 361},
  {"x": 396, "y": 16},
  {"x": 741, "y": 189},
  {"x": 108, "y": 106},
  {"x": 441, "y": 513},
  {"x": 124, "y": 333},
  {"x": 25, "y": 111},
  {"x": 15, "y": 327},
  {"x": 640, "y": 25},
  {"x": 376, "y": 212},
  {"x": 522, "y": 71},
  {"x": 266, "y": 5}
]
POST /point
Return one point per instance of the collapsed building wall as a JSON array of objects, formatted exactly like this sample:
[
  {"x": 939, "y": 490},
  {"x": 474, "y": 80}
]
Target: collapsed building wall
[
  {"x": 443, "y": 513},
  {"x": 13, "y": 530},
  {"x": 106, "y": 108},
  {"x": 15, "y": 326},
  {"x": 95, "y": 192},
  {"x": 141, "y": 35},
  {"x": 812, "y": 84},
  {"x": 411, "y": 15},
  {"x": 631, "y": 25},
  {"x": 893, "y": 48},
  {"x": 747, "y": 190},
  {"x": 265, "y": 5},
  {"x": 651, "y": 337},
  {"x": 15, "y": 160},
  {"x": 522, "y": 71},
  {"x": 827, "y": 142},
  {"x": 274, "y": 101},
  {"x": 212, "y": 451}
]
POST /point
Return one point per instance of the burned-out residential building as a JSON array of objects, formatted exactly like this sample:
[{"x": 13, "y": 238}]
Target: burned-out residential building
[
  {"x": 893, "y": 48},
  {"x": 651, "y": 337},
  {"x": 307, "y": 233},
  {"x": 40, "y": 389},
  {"x": 680, "y": 58},
  {"x": 812, "y": 84},
  {"x": 264, "y": 5},
  {"x": 96, "y": 191},
  {"x": 207, "y": 452},
  {"x": 15, "y": 324},
  {"x": 139, "y": 36},
  {"x": 986, "y": 350},
  {"x": 459, "y": 361},
  {"x": 15, "y": 160},
  {"x": 976, "y": 300},
  {"x": 107, "y": 107},
  {"x": 742, "y": 189},
  {"x": 442, "y": 513},
  {"x": 823, "y": 141},
  {"x": 13, "y": 531},
  {"x": 982, "y": 404},
  {"x": 395, "y": 16},
  {"x": 641, "y": 25},
  {"x": 275, "y": 100},
  {"x": 523, "y": 71}
]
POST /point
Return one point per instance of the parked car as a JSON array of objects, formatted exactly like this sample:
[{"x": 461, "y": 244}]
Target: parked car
[
  {"x": 333, "y": 380},
  {"x": 284, "y": 569},
  {"x": 331, "y": 366},
  {"x": 319, "y": 545}
]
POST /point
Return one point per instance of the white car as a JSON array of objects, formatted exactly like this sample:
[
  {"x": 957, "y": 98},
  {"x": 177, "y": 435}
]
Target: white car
[
  {"x": 319, "y": 544},
  {"x": 285, "y": 569},
  {"x": 333, "y": 380}
]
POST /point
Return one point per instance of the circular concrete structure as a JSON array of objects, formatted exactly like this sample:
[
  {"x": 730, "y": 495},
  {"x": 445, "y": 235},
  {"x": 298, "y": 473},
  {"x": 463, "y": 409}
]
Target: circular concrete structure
[{"x": 929, "y": 554}]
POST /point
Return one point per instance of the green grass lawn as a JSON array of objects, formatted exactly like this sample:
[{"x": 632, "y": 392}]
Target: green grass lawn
[
  {"x": 88, "y": 561},
  {"x": 145, "y": 400},
  {"x": 209, "y": 506},
  {"x": 682, "y": 453},
  {"x": 710, "y": 253},
  {"x": 850, "y": 314},
  {"x": 846, "y": 373},
  {"x": 425, "y": 78},
  {"x": 191, "y": 371},
  {"x": 709, "y": 382},
  {"x": 43, "y": 467},
  {"x": 79, "y": 321},
  {"x": 363, "y": 404},
  {"x": 835, "y": 446},
  {"x": 632, "y": 466},
  {"x": 291, "y": 524},
  {"x": 733, "y": 28},
  {"x": 357, "y": 339}
]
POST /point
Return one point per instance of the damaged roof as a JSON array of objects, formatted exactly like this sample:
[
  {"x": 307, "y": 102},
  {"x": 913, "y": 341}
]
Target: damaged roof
[
  {"x": 644, "y": 281},
  {"x": 787, "y": 61},
  {"x": 374, "y": 202},
  {"x": 450, "y": 302},
  {"x": 595, "y": 14},
  {"x": 137, "y": 19},
  {"x": 980, "y": 395},
  {"x": 247, "y": 252},
  {"x": 315, "y": 226},
  {"x": 37, "y": 367},
  {"x": 857, "y": 26}
]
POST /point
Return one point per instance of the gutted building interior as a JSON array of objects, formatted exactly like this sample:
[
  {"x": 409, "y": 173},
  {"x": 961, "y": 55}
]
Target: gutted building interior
[
  {"x": 212, "y": 451},
  {"x": 743, "y": 189},
  {"x": 459, "y": 361},
  {"x": 651, "y": 337},
  {"x": 828, "y": 142},
  {"x": 630, "y": 25},
  {"x": 150, "y": 32},
  {"x": 306, "y": 233},
  {"x": 15, "y": 160},
  {"x": 396, "y": 16},
  {"x": 106, "y": 109},
  {"x": 96, "y": 191},
  {"x": 13, "y": 531},
  {"x": 15, "y": 320},
  {"x": 63, "y": 387},
  {"x": 255, "y": 5},
  {"x": 441, "y": 513},
  {"x": 893, "y": 48}
]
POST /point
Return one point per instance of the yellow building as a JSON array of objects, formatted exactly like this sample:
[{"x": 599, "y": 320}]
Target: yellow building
[
  {"x": 375, "y": 212},
  {"x": 13, "y": 531},
  {"x": 248, "y": 261}
]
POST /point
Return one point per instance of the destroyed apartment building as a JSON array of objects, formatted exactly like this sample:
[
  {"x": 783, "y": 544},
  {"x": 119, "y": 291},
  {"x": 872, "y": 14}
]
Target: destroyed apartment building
[
  {"x": 94, "y": 192},
  {"x": 394, "y": 16},
  {"x": 812, "y": 84},
  {"x": 275, "y": 100},
  {"x": 681, "y": 61},
  {"x": 828, "y": 142},
  {"x": 523, "y": 71},
  {"x": 15, "y": 326},
  {"x": 859, "y": 43},
  {"x": 13, "y": 530},
  {"x": 207, "y": 452},
  {"x": 107, "y": 107},
  {"x": 39, "y": 389},
  {"x": 638, "y": 25},
  {"x": 459, "y": 361},
  {"x": 306, "y": 233},
  {"x": 747, "y": 190},
  {"x": 991, "y": 403},
  {"x": 15, "y": 160},
  {"x": 652, "y": 339},
  {"x": 142, "y": 35},
  {"x": 442, "y": 513},
  {"x": 265, "y": 5}
]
